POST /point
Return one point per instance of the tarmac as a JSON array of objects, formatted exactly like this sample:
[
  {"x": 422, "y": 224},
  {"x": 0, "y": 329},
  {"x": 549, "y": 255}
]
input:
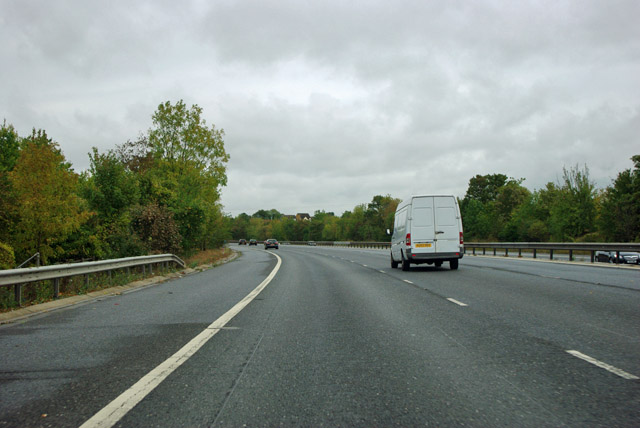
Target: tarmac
[
  {"x": 19, "y": 314},
  {"x": 63, "y": 302}
]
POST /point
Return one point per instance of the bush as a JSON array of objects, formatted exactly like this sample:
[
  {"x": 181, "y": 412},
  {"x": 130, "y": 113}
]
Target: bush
[{"x": 7, "y": 258}]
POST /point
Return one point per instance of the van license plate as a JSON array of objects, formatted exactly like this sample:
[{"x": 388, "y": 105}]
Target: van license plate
[{"x": 423, "y": 245}]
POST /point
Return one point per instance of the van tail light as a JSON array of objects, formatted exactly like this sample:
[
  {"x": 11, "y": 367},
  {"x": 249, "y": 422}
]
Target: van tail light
[
  {"x": 408, "y": 240},
  {"x": 461, "y": 239}
]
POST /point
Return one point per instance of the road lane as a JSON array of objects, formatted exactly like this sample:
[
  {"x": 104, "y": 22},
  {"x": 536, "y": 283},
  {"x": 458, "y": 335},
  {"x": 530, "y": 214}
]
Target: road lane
[
  {"x": 593, "y": 308},
  {"x": 69, "y": 364},
  {"x": 336, "y": 342}
]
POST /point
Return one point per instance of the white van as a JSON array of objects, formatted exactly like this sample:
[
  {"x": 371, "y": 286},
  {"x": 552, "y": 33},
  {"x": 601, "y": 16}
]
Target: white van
[{"x": 427, "y": 229}]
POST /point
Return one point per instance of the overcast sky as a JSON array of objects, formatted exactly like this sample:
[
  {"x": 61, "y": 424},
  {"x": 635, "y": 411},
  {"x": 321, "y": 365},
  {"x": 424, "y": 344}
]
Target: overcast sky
[{"x": 328, "y": 103}]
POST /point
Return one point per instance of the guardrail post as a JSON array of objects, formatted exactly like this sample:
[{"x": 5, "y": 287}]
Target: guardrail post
[
  {"x": 17, "y": 291},
  {"x": 506, "y": 252},
  {"x": 56, "y": 288},
  {"x": 570, "y": 255},
  {"x": 550, "y": 254},
  {"x": 535, "y": 253},
  {"x": 484, "y": 251},
  {"x": 593, "y": 256},
  {"x": 519, "y": 252},
  {"x": 494, "y": 251},
  {"x": 474, "y": 251}
]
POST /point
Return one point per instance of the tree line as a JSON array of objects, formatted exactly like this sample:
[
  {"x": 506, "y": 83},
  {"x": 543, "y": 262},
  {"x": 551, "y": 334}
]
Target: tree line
[
  {"x": 158, "y": 193},
  {"x": 161, "y": 193},
  {"x": 494, "y": 208}
]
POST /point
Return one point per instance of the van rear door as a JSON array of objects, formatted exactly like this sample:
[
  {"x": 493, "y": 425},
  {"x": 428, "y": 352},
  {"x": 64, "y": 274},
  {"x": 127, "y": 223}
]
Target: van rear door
[
  {"x": 422, "y": 225},
  {"x": 447, "y": 233}
]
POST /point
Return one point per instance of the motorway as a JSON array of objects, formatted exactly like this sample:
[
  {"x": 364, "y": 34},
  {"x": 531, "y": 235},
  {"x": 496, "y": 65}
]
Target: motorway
[{"x": 335, "y": 337}]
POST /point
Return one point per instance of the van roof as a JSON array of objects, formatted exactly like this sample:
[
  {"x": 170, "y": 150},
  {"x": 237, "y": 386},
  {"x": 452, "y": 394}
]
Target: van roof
[
  {"x": 424, "y": 195},
  {"x": 429, "y": 194}
]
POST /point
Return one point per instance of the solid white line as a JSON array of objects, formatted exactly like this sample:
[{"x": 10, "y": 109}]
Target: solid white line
[
  {"x": 602, "y": 365},
  {"x": 456, "y": 302},
  {"x": 407, "y": 281},
  {"x": 114, "y": 411}
]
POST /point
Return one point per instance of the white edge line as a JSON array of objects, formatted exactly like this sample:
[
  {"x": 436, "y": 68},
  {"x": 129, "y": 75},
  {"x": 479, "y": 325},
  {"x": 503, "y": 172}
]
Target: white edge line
[
  {"x": 407, "y": 281},
  {"x": 114, "y": 411},
  {"x": 456, "y": 302},
  {"x": 602, "y": 365}
]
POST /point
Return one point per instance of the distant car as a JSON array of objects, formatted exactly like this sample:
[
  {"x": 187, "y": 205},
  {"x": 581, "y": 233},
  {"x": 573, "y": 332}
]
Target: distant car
[
  {"x": 253, "y": 242},
  {"x": 313, "y": 244},
  {"x": 626, "y": 257},
  {"x": 242, "y": 242},
  {"x": 271, "y": 243}
]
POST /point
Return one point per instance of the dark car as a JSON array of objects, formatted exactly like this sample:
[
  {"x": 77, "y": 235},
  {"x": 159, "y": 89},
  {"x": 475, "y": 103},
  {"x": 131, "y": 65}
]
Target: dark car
[
  {"x": 626, "y": 257},
  {"x": 242, "y": 242},
  {"x": 271, "y": 243},
  {"x": 253, "y": 242}
]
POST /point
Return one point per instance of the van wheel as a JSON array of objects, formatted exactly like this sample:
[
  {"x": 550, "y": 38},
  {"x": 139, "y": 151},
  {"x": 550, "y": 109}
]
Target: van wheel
[
  {"x": 453, "y": 264},
  {"x": 405, "y": 264},
  {"x": 394, "y": 264}
]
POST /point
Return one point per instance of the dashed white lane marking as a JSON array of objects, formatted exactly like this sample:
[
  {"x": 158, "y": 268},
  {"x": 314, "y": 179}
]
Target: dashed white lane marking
[
  {"x": 114, "y": 411},
  {"x": 365, "y": 266},
  {"x": 407, "y": 281},
  {"x": 381, "y": 271},
  {"x": 602, "y": 365},
  {"x": 456, "y": 302}
]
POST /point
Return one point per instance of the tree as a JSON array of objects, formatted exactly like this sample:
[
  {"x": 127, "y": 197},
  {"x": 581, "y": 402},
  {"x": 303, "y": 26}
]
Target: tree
[
  {"x": 620, "y": 209},
  {"x": 271, "y": 214},
  {"x": 9, "y": 152},
  {"x": 155, "y": 226},
  {"x": 181, "y": 164},
  {"x": 182, "y": 141},
  {"x": 573, "y": 210},
  {"x": 240, "y": 226},
  {"x": 380, "y": 213},
  {"x": 190, "y": 167},
  {"x": 484, "y": 188},
  {"x": 475, "y": 220},
  {"x": 47, "y": 207},
  {"x": 110, "y": 189}
]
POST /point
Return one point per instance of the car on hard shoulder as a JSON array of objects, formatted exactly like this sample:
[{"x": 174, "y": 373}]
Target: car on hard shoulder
[
  {"x": 626, "y": 257},
  {"x": 242, "y": 242},
  {"x": 271, "y": 243},
  {"x": 253, "y": 242}
]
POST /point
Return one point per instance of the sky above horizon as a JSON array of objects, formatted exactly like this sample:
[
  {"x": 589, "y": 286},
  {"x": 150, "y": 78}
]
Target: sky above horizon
[{"x": 327, "y": 104}]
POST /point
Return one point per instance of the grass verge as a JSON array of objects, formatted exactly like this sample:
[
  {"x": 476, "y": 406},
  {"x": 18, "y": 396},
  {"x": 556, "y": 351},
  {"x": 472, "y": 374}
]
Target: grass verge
[{"x": 41, "y": 292}]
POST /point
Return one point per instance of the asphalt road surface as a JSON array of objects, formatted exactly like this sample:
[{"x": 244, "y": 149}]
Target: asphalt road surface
[{"x": 337, "y": 338}]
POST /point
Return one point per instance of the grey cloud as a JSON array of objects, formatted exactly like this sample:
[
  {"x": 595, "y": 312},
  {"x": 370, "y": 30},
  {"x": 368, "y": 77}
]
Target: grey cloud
[{"x": 320, "y": 99}]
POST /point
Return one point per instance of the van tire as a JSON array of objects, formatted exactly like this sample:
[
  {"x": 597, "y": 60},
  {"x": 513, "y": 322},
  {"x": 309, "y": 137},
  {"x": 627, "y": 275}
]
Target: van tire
[
  {"x": 453, "y": 264},
  {"x": 394, "y": 264},
  {"x": 405, "y": 264}
]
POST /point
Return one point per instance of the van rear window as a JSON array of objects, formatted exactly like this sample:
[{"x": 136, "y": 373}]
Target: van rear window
[
  {"x": 422, "y": 217},
  {"x": 446, "y": 216}
]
